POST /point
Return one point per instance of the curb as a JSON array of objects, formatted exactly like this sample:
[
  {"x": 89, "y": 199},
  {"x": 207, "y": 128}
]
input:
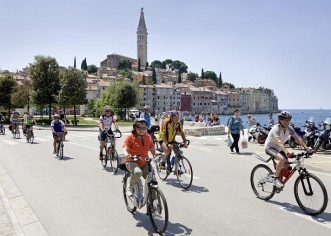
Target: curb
[{"x": 23, "y": 220}]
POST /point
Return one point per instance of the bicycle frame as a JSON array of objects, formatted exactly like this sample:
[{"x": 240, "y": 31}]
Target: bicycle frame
[
  {"x": 111, "y": 141},
  {"x": 298, "y": 160}
]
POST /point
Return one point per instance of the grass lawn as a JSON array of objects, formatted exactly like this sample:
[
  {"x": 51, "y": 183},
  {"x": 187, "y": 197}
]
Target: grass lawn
[{"x": 95, "y": 121}]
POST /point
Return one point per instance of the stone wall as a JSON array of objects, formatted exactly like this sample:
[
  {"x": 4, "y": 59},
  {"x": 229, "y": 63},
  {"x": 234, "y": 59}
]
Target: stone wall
[{"x": 199, "y": 130}]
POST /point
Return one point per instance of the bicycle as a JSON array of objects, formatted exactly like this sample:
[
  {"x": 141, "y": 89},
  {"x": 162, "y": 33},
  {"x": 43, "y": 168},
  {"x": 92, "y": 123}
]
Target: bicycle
[
  {"x": 109, "y": 152},
  {"x": 181, "y": 165},
  {"x": 16, "y": 131},
  {"x": 157, "y": 207},
  {"x": 29, "y": 135},
  {"x": 309, "y": 190},
  {"x": 59, "y": 145},
  {"x": 2, "y": 129},
  {"x": 151, "y": 131}
]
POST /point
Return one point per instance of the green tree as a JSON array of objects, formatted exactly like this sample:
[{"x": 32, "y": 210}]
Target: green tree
[
  {"x": 231, "y": 86},
  {"x": 167, "y": 62},
  {"x": 73, "y": 89},
  {"x": 21, "y": 97},
  {"x": 179, "y": 66},
  {"x": 92, "y": 69},
  {"x": 192, "y": 76},
  {"x": 143, "y": 81},
  {"x": 146, "y": 66},
  {"x": 75, "y": 62},
  {"x": 202, "y": 74},
  {"x": 124, "y": 65},
  {"x": 126, "y": 74},
  {"x": 121, "y": 95},
  {"x": 44, "y": 73},
  {"x": 220, "y": 81},
  {"x": 210, "y": 75},
  {"x": 7, "y": 88},
  {"x": 91, "y": 105},
  {"x": 156, "y": 64},
  {"x": 84, "y": 64},
  {"x": 154, "y": 76}
]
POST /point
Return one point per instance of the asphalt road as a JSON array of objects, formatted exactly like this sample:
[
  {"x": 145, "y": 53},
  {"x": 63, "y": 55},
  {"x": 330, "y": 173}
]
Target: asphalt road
[{"x": 77, "y": 196}]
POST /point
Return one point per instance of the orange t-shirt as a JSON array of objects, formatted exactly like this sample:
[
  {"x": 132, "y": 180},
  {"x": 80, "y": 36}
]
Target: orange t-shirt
[{"x": 139, "y": 146}]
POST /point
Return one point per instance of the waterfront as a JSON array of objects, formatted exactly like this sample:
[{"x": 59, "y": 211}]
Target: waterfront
[{"x": 299, "y": 116}]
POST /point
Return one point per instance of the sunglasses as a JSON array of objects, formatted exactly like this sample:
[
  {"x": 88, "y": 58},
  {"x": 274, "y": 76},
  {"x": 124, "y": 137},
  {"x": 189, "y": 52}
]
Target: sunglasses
[
  {"x": 107, "y": 110},
  {"x": 141, "y": 128}
]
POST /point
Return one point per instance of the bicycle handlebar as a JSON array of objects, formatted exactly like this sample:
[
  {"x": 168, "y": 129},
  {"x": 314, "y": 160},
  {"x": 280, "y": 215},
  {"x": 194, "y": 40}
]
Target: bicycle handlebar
[
  {"x": 180, "y": 144},
  {"x": 137, "y": 157},
  {"x": 114, "y": 135}
]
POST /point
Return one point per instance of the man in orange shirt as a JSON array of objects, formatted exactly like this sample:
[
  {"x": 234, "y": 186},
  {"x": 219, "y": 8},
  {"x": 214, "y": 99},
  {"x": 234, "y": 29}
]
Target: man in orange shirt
[{"x": 138, "y": 143}]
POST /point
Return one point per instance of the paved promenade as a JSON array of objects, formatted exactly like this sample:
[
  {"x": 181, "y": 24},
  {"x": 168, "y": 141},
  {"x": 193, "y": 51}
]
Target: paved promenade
[{"x": 17, "y": 218}]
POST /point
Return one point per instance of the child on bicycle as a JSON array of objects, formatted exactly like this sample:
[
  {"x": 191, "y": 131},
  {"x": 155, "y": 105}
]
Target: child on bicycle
[
  {"x": 57, "y": 126},
  {"x": 274, "y": 145},
  {"x": 167, "y": 134},
  {"x": 138, "y": 143},
  {"x": 28, "y": 122}
]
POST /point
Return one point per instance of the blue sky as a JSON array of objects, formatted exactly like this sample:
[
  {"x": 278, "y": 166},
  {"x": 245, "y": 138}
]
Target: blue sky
[{"x": 284, "y": 45}]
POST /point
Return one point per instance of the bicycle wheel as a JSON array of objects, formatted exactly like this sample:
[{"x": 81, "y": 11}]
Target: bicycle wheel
[
  {"x": 31, "y": 137},
  {"x": 16, "y": 133},
  {"x": 104, "y": 157},
  {"x": 157, "y": 210},
  {"x": 310, "y": 194},
  {"x": 130, "y": 206},
  {"x": 161, "y": 169},
  {"x": 184, "y": 173},
  {"x": 61, "y": 151},
  {"x": 3, "y": 131},
  {"x": 262, "y": 182},
  {"x": 114, "y": 160}
]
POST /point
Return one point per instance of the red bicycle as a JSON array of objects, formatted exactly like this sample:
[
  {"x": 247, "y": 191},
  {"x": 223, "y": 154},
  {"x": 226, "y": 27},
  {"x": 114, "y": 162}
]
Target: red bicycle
[{"x": 309, "y": 190}]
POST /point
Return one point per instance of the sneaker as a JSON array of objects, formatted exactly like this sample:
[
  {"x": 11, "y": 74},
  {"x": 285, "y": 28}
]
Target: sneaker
[
  {"x": 54, "y": 152},
  {"x": 231, "y": 149},
  {"x": 100, "y": 156},
  {"x": 168, "y": 169},
  {"x": 277, "y": 183},
  {"x": 128, "y": 192}
]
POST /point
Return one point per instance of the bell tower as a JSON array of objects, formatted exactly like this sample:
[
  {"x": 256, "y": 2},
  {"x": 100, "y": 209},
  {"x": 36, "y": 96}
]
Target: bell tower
[{"x": 142, "y": 41}]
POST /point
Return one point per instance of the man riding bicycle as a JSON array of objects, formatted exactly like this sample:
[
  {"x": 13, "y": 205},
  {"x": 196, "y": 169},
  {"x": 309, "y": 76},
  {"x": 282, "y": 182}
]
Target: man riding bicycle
[
  {"x": 57, "y": 126},
  {"x": 138, "y": 143},
  {"x": 105, "y": 122},
  {"x": 167, "y": 134},
  {"x": 274, "y": 145}
]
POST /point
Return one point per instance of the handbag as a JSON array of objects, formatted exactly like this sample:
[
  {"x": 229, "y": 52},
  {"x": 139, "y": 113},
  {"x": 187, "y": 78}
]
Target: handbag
[
  {"x": 229, "y": 141},
  {"x": 244, "y": 143}
]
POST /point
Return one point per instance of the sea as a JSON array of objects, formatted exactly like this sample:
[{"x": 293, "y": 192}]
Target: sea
[{"x": 299, "y": 116}]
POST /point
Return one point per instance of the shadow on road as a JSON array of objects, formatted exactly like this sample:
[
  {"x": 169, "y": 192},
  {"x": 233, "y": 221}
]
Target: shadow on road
[
  {"x": 172, "y": 229},
  {"x": 322, "y": 218},
  {"x": 192, "y": 188}
]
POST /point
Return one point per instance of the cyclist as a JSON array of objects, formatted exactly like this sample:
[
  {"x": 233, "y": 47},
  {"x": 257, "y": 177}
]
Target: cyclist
[
  {"x": 29, "y": 121},
  {"x": 2, "y": 119},
  {"x": 62, "y": 117},
  {"x": 138, "y": 143},
  {"x": 271, "y": 120},
  {"x": 274, "y": 145},
  {"x": 57, "y": 126},
  {"x": 25, "y": 115},
  {"x": 105, "y": 122},
  {"x": 14, "y": 120},
  {"x": 167, "y": 134},
  {"x": 146, "y": 115}
]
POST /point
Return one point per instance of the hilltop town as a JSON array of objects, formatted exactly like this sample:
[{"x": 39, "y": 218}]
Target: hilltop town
[{"x": 165, "y": 89}]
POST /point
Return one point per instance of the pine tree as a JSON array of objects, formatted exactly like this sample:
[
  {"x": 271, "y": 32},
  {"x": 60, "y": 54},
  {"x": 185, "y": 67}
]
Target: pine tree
[
  {"x": 139, "y": 68},
  {"x": 220, "y": 81},
  {"x": 84, "y": 64},
  {"x": 75, "y": 62},
  {"x": 154, "y": 76},
  {"x": 179, "y": 77},
  {"x": 202, "y": 74}
]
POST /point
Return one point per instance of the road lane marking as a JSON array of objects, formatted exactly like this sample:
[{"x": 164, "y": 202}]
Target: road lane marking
[{"x": 9, "y": 142}]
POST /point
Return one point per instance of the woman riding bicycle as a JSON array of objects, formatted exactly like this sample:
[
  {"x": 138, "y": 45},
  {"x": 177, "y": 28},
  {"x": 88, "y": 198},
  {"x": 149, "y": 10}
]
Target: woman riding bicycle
[
  {"x": 274, "y": 145},
  {"x": 138, "y": 143},
  {"x": 57, "y": 126},
  {"x": 29, "y": 121}
]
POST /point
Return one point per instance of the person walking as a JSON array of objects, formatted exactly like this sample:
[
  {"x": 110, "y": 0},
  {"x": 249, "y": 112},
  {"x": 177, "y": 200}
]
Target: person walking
[{"x": 235, "y": 125}]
